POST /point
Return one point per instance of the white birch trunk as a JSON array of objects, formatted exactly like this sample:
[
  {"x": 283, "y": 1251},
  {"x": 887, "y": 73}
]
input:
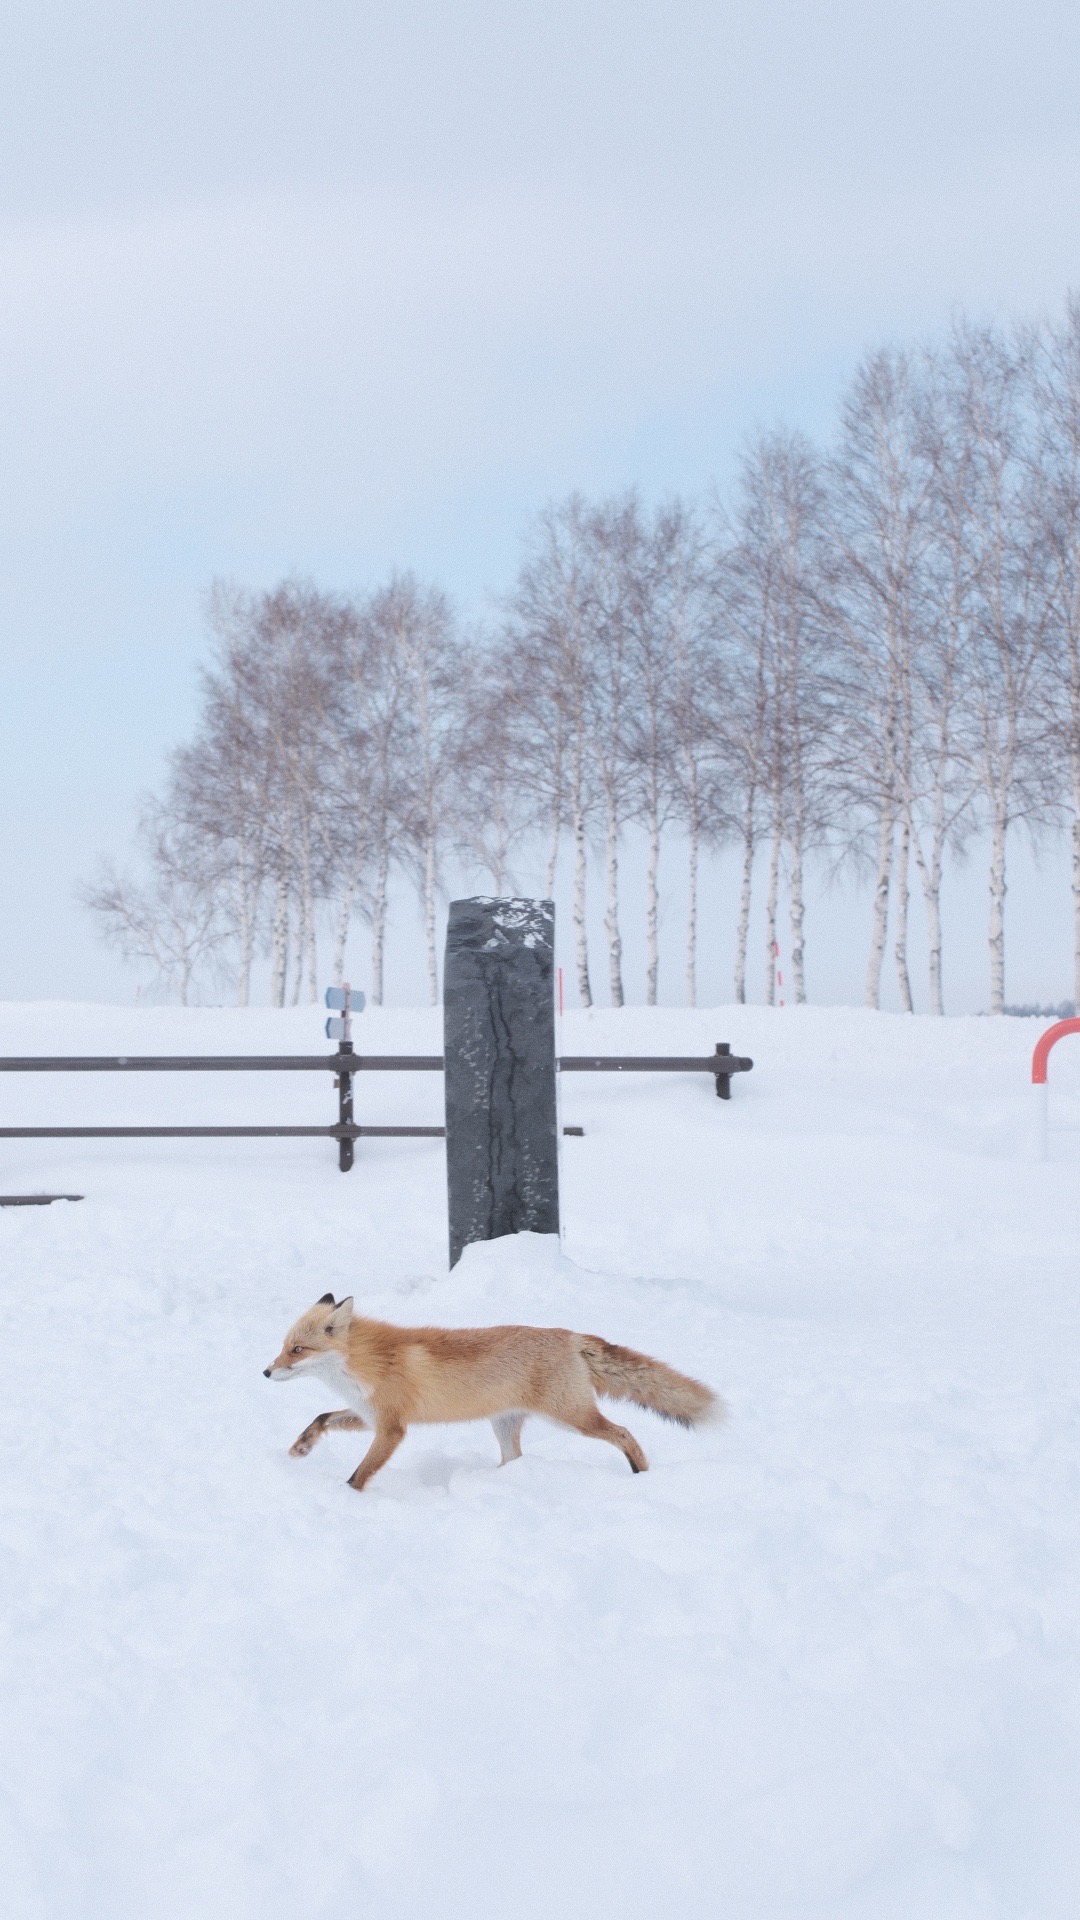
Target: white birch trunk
[
  {"x": 930, "y": 875},
  {"x": 932, "y": 897},
  {"x": 341, "y": 938},
  {"x": 378, "y": 926},
  {"x": 997, "y": 911},
  {"x": 798, "y": 966},
  {"x": 652, "y": 912},
  {"x": 501, "y": 840},
  {"x": 553, "y": 856},
  {"x": 580, "y": 932},
  {"x": 1076, "y": 877},
  {"x": 344, "y": 920},
  {"x": 243, "y": 985},
  {"x": 694, "y": 829},
  {"x": 429, "y": 917},
  {"x": 933, "y": 924},
  {"x": 1074, "y": 763},
  {"x": 903, "y": 894},
  {"x": 279, "y": 942},
  {"x": 770, "y": 920},
  {"x": 881, "y": 908},
  {"x": 298, "y": 955},
  {"x": 247, "y": 938},
  {"x": 743, "y": 934},
  {"x": 311, "y": 942},
  {"x": 611, "y": 917}
]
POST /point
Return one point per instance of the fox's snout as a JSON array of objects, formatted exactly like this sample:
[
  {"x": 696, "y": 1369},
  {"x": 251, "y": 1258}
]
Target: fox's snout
[{"x": 266, "y": 1373}]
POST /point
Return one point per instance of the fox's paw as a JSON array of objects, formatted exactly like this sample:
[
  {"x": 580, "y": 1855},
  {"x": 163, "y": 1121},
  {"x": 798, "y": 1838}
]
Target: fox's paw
[{"x": 303, "y": 1445}]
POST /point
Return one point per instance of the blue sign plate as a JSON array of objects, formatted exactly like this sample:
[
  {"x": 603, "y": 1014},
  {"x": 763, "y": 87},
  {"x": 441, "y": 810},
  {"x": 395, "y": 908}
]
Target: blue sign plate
[{"x": 343, "y": 999}]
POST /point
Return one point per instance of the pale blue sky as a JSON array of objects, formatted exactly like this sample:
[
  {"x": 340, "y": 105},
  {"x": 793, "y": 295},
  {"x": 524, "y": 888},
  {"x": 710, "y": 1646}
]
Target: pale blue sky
[{"x": 340, "y": 287}]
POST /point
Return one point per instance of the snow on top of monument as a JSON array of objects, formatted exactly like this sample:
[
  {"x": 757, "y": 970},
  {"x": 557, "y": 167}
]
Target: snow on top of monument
[{"x": 531, "y": 920}]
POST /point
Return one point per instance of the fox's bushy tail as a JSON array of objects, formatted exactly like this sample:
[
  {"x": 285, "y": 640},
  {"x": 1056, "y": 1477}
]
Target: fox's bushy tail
[{"x": 621, "y": 1374}]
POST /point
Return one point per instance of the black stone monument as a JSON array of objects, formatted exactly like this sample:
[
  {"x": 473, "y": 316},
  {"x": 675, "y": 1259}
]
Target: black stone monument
[{"x": 502, "y": 1133}]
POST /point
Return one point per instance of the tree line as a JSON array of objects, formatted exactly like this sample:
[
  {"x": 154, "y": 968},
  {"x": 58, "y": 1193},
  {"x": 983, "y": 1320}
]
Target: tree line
[{"x": 870, "y": 655}]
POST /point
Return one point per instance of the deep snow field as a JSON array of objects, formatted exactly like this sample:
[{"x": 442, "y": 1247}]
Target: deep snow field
[{"x": 824, "y": 1661}]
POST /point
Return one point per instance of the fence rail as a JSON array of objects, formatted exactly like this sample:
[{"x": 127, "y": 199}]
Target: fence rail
[
  {"x": 220, "y": 1133},
  {"x": 344, "y": 1064},
  {"x": 723, "y": 1062},
  {"x": 222, "y": 1063}
]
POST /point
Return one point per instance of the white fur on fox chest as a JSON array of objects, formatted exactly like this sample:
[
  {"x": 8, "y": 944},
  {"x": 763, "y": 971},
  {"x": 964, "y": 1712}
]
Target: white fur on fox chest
[{"x": 331, "y": 1368}]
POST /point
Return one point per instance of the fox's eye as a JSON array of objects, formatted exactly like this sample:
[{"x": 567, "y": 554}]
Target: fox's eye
[{"x": 296, "y": 1349}]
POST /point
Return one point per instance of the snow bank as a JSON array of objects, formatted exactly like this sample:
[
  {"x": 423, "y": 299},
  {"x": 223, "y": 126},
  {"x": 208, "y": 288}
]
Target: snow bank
[{"x": 821, "y": 1662}]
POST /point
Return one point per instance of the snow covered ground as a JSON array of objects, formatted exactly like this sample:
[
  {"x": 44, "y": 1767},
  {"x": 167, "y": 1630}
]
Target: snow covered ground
[{"x": 822, "y": 1662}]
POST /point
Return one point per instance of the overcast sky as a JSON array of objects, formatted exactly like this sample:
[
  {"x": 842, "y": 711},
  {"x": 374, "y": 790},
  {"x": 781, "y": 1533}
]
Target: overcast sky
[{"x": 334, "y": 288}]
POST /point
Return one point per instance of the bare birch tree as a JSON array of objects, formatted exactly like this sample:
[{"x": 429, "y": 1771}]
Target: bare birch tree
[
  {"x": 881, "y": 482},
  {"x": 549, "y": 632},
  {"x": 698, "y": 695},
  {"x": 172, "y": 920},
  {"x": 493, "y": 805},
  {"x": 1057, "y": 400},
  {"x": 288, "y": 667},
  {"x": 941, "y": 804},
  {"x": 660, "y": 585},
  {"x": 1005, "y": 654},
  {"x": 775, "y": 567},
  {"x": 419, "y": 620},
  {"x": 614, "y": 532},
  {"x": 742, "y": 603},
  {"x": 218, "y": 789},
  {"x": 373, "y": 721}
]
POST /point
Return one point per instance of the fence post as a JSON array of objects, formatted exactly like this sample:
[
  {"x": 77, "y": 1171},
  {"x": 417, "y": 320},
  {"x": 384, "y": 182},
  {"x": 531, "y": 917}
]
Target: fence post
[
  {"x": 345, "y": 1110},
  {"x": 502, "y": 1134}
]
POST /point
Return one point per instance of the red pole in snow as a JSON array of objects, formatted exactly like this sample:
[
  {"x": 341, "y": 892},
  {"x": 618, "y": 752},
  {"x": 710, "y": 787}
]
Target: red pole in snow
[
  {"x": 1042, "y": 1051},
  {"x": 1039, "y": 1062}
]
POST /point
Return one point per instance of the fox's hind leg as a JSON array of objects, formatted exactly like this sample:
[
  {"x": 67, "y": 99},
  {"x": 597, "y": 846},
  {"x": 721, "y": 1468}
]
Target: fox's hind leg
[
  {"x": 593, "y": 1423},
  {"x": 507, "y": 1429},
  {"x": 322, "y": 1424}
]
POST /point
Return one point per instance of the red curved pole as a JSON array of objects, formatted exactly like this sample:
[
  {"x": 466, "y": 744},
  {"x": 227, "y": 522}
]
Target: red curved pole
[{"x": 1042, "y": 1051}]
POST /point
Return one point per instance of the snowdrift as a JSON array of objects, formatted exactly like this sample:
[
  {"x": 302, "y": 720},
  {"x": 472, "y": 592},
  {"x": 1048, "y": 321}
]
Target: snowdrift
[{"x": 822, "y": 1661}]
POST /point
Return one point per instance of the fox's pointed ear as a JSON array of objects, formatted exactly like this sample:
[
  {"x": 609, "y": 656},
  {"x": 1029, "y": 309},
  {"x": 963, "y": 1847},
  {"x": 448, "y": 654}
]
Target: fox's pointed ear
[
  {"x": 325, "y": 1300},
  {"x": 338, "y": 1321}
]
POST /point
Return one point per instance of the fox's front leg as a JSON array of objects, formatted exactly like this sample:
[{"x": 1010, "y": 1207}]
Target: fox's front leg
[
  {"x": 322, "y": 1424},
  {"x": 389, "y": 1435}
]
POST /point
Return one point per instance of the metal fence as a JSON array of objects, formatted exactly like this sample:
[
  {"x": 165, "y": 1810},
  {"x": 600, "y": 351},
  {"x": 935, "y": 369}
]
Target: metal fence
[{"x": 345, "y": 1064}]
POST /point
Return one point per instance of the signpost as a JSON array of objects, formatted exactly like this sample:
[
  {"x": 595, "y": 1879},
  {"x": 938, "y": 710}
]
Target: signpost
[
  {"x": 340, "y": 1030},
  {"x": 347, "y": 1001}
]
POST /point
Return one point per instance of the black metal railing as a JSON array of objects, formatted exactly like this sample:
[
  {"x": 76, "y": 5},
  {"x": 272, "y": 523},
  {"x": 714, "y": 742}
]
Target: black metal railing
[{"x": 345, "y": 1064}]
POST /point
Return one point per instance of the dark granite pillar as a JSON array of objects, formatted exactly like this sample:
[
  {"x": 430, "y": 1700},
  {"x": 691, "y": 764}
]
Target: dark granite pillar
[{"x": 502, "y": 1136}]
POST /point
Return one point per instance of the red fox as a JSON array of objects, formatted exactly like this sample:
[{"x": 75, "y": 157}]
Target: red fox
[{"x": 394, "y": 1376}]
